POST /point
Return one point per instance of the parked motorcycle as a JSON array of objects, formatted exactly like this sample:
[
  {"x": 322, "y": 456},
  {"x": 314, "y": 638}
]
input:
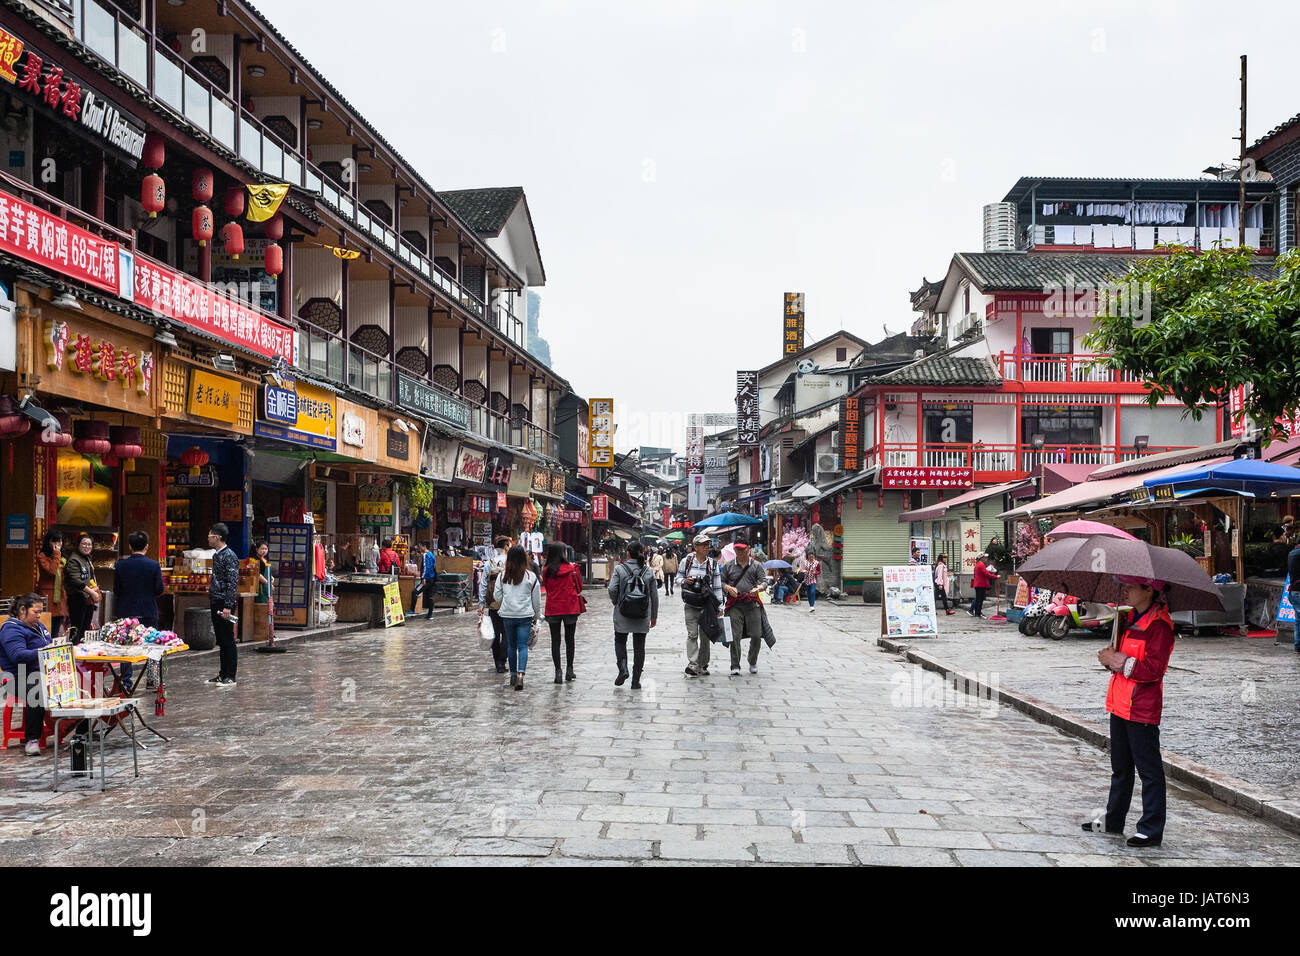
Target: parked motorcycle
[
  {"x": 1032, "y": 619},
  {"x": 1066, "y": 613}
]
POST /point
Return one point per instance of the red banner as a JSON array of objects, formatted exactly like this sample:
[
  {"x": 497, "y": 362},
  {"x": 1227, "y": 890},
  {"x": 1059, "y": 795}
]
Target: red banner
[
  {"x": 43, "y": 238},
  {"x": 668, "y": 517},
  {"x": 927, "y": 478},
  {"x": 599, "y": 508},
  {"x": 192, "y": 303}
]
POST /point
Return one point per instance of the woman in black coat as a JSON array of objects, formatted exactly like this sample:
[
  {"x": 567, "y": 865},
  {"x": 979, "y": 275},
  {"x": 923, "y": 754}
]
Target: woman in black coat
[{"x": 78, "y": 579}]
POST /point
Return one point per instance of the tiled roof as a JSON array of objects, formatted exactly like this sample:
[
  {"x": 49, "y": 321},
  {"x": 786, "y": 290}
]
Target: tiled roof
[
  {"x": 1275, "y": 131},
  {"x": 942, "y": 369},
  {"x": 486, "y": 210},
  {"x": 1033, "y": 271}
]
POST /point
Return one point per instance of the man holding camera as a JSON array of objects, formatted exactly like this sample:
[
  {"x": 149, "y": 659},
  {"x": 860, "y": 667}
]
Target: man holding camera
[{"x": 697, "y": 576}]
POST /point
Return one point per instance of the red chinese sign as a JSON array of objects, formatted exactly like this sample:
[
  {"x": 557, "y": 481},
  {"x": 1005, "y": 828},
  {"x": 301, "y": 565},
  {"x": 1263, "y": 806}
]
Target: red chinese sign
[
  {"x": 43, "y": 238},
  {"x": 97, "y": 356},
  {"x": 668, "y": 516},
  {"x": 851, "y": 433},
  {"x": 599, "y": 508},
  {"x": 1236, "y": 404},
  {"x": 192, "y": 303},
  {"x": 927, "y": 478}
]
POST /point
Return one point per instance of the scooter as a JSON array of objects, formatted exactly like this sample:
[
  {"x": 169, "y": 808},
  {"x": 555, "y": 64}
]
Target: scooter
[
  {"x": 1032, "y": 619},
  {"x": 1067, "y": 613}
]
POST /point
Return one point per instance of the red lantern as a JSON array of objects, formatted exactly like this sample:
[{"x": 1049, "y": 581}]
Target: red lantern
[
  {"x": 126, "y": 444},
  {"x": 64, "y": 437},
  {"x": 194, "y": 459},
  {"x": 859, "y": 499},
  {"x": 232, "y": 238},
  {"x": 153, "y": 194},
  {"x": 202, "y": 184},
  {"x": 234, "y": 204},
  {"x": 275, "y": 228},
  {"x": 817, "y": 514},
  {"x": 154, "y": 154},
  {"x": 274, "y": 259},
  {"x": 92, "y": 438},
  {"x": 110, "y": 460},
  {"x": 201, "y": 224}
]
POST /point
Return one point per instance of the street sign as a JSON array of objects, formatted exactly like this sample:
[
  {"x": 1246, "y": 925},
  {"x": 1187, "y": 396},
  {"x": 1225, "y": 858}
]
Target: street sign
[
  {"x": 600, "y": 508},
  {"x": 747, "y": 423},
  {"x": 600, "y": 433}
]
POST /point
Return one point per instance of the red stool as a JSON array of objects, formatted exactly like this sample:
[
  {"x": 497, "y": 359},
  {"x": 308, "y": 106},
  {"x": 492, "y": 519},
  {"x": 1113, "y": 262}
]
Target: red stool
[{"x": 8, "y": 732}]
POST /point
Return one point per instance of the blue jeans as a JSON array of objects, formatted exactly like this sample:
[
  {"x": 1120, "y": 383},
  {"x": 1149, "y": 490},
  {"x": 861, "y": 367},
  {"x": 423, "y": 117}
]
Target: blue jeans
[
  {"x": 1295, "y": 596},
  {"x": 518, "y": 631},
  {"x": 812, "y": 595},
  {"x": 780, "y": 594}
]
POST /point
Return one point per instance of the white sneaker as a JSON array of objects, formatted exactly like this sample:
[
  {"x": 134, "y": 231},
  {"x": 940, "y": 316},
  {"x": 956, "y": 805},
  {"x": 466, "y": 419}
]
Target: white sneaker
[
  {"x": 753, "y": 668},
  {"x": 735, "y": 672},
  {"x": 32, "y": 748}
]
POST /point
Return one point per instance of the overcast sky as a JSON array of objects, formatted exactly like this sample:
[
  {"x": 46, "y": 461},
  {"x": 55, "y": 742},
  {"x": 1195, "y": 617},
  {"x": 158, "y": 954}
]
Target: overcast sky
[{"x": 687, "y": 163}]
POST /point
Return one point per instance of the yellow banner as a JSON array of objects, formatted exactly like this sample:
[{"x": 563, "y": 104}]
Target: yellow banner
[
  {"x": 264, "y": 200},
  {"x": 317, "y": 411},
  {"x": 214, "y": 396}
]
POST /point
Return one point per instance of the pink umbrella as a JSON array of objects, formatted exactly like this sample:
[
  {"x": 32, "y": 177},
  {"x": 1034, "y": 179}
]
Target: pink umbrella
[{"x": 1085, "y": 529}]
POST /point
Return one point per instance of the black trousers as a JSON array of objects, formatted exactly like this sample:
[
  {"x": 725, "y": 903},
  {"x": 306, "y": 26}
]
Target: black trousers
[
  {"x": 79, "y": 616},
  {"x": 33, "y": 716},
  {"x": 942, "y": 596},
  {"x": 499, "y": 641},
  {"x": 638, "y": 652},
  {"x": 1136, "y": 747},
  {"x": 570, "y": 622},
  {"x": 669, "y": 580},
  {"x": 977, "y": 605},
  {"x": 225, "y": 631}
]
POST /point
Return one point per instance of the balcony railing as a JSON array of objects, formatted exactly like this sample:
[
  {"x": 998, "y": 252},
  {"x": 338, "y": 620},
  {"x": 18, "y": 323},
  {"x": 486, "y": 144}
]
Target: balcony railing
[
  {"x": 65, "y": 211},
  {"x": 1086, "y": 368},
  {"x": 1005, "y": 458}
]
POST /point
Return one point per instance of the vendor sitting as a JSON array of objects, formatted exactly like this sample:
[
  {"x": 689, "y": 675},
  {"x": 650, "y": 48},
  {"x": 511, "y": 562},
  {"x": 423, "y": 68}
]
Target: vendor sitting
[
  {"x": 20, "y": 638},
  {"x": 785, "y": 584}
]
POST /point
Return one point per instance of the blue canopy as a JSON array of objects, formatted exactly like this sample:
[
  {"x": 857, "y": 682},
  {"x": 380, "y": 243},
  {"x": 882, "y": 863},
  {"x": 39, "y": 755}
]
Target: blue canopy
[
  {"x": 1242, "y": 475},
  {"x": 727, "y": 519}
]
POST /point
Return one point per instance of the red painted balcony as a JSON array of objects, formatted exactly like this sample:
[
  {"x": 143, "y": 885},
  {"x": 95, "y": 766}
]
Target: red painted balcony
[{"x": 994, "y": 463}]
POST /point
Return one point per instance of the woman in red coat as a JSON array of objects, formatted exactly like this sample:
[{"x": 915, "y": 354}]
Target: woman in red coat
[
  {"x": 562, "y": 583},
  {"x": 981, "y": 580},
  {"x": 1134, "y": 699}
]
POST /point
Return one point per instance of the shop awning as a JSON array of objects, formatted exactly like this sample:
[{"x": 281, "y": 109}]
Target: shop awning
[
  {"x": 1057, "y": 477},
  {"x": 969, "y": 498},
  {"x": 844, "y": 484},
  {"x": 1095, "y": 491}
]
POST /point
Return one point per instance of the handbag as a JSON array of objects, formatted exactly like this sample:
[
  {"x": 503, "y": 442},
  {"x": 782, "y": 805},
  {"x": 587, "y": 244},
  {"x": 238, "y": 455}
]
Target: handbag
[
  {"x": 485, "y": 628},
  {"x": 93, "y": 594},
  {"x": 532, "y": 637}
]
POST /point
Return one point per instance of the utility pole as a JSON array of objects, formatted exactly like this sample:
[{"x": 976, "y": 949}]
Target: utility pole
[{"x": 1241, "y": 164}]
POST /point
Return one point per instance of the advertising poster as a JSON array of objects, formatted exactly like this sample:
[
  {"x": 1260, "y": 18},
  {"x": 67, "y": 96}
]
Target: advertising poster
[
  {"x": 922, "y": 547},
  {"x": 1285, "y": 612},
  {"x": 970, "y": 545},
  {"x": 908, "y": 607},
  {"x": 83, "y": 490},
  {"x": 289, "y": 553},
  {"x": 58, "y": 674},
  {"x": 393, "y": 604}
]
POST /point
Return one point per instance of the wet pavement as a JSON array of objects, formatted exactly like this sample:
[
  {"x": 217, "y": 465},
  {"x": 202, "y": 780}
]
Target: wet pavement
[{"x": 406, "y": 748}]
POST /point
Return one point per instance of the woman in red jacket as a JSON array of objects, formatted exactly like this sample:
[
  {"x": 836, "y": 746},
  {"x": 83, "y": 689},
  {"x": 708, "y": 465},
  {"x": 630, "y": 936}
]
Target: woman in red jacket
[
  {"x": 1134, "y": 700},
  {"x": 981, "y": 580},
  {"x": 562, "y": 583}
]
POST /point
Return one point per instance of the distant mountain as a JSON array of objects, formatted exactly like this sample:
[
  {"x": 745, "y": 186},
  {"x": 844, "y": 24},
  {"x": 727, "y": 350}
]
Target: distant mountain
[{"x": 537, "y": 346}]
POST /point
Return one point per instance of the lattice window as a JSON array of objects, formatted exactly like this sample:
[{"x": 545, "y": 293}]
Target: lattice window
[
  {"x": 214, "y": 70},
  {"x": 475, "y": 392},
  {"x": 371, "y": 338},
  {"x": 519, "y": 413},
  {"x": 416, "y": 239},
  {"x": 447, "y": 377},
  {"x": 174, "y": 382},
  {"x": 381, "y": 209},
  {"x": 283, "y": 127},
  {"x": 323, "y": 313},
  {"x": 500, "y": 404},
  {"x": 413, "y": 360},
  {"x": 334, "y": 170}
]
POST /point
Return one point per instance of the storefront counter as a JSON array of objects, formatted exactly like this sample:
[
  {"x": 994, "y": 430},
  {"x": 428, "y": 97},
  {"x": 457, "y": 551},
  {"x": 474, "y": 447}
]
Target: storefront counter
[{"x": 361, "y": 597}]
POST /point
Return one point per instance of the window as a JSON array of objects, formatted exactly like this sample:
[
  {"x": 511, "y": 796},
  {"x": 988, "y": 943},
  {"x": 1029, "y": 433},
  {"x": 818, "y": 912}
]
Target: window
[
  {"x": 965, "y": 300},
  {"x": 948, "y": 424},
  {"x": 1051, "y": 341},
  {"x": 1061, "y": 425},
  {"x": 841, "y": 355}
]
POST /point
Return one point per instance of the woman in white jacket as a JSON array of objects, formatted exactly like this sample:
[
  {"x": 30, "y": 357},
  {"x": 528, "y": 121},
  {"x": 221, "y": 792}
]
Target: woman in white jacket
[{"x": 521, "y": 605}]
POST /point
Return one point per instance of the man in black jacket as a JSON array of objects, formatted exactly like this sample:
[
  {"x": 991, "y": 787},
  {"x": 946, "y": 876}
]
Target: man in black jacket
[
  {"x": 137, "y": 583},
  {"x": 223, "y": 596}
]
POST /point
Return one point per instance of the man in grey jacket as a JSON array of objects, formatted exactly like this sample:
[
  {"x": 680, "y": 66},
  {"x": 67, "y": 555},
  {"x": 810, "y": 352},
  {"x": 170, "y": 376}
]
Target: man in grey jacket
[
  {"x": 223, "y": 596},
  {"x": 742, "y": 579},
  {"x": 697, "y": 576}
]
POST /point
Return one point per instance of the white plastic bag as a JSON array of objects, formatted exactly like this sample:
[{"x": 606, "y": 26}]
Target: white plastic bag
[
  {"x": 726, "y": 629},
  {"x": 485, "y": 629}
]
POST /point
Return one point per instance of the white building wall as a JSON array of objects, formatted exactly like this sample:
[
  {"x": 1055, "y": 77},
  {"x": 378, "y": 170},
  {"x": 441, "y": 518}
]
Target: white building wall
[
  {"x": 317, "y": 275},
  {"x": 446, "y": 347},
  {"x": 412, "y": 328},
  {"x": 368, "y": 304}
]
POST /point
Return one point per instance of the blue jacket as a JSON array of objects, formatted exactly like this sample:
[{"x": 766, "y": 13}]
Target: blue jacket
[
  {"x": 19, "y": 644},
  {"x": 137, "y": 582},
  {"x": 430, "y": 572}
]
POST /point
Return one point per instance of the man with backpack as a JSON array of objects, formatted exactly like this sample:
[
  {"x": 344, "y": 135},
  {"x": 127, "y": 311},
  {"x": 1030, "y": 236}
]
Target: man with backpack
[
  {"x": 700, "y": 583},
  {"x": 493, "y": 565}
]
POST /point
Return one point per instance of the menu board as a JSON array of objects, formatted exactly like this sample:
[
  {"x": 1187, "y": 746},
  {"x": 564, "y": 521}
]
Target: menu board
[
  {"x": 908, "y": 606},
  {"x": 393, "y": 613},
  {"x": 58, "y": 674},
  {"x": 289, "y": 548}
]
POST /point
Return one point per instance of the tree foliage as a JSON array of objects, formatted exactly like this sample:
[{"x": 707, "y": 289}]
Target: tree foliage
[{"x": 1217, "y": 320}]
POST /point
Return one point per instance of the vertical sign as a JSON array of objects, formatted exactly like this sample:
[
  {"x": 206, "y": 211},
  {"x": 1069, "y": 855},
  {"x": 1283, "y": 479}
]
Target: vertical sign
[
  {"x": 1236, "y": 402},
  {"x": 970, "y": 545},
  {"x": 289, "y": 548},
  {"x": 746, "y": 409},
  {"x": 792, "y": 327},
  {"x": 694, "y": 450},
  {"x": 600, "y": 433},
  {"x": 851, "y": 432},
  {"x": 599, "y": 508}
]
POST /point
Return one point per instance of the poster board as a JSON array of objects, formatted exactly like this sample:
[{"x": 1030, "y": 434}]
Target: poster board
[
  {"x": 921, "y": 545},
  {"x": 393, "y": 613},
  {"x": 970, "y": 545},
  {"x": 289, "y": 552},
  {"x": 1285, "y": 611},
  {"x": 58, "y": 675},
  {"x": 907, "y": 607}
]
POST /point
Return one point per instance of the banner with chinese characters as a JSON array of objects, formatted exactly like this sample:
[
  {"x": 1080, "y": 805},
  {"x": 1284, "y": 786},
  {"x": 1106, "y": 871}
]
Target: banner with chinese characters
[
  {"x": 600, "y": 433},
  {"x": 599, "y": 508},
  {"x": 299, "y": 413},
  {"x": 27, "y": 232},
  {"x": 97, "y": 363},
  {"x": 792, "y": 328},
  {"x": 927, "y": 478},
  {"x": 1236, "y": 403},
  {"x": 747, "y": 424},
  {"x": 694, "y": 450},
  {"x": 970, "y": 545},
  {"x": 851, "y": 433},
  {"x": 289, "y": 548},
  {"x": 214, "y": 396}
]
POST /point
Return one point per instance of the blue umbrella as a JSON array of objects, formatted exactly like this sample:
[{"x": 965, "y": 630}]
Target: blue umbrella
[
  {"x": 775, "y": 565},
  {"x": 727, "y": 519}
]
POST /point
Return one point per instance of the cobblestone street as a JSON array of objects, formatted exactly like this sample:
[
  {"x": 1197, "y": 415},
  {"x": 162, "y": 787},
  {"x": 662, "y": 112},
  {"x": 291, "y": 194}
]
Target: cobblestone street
[{"x": 406, "y": 747}]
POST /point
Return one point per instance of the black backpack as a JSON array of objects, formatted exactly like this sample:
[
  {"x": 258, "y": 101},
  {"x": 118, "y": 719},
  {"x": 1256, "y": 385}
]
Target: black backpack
[{"x": 635, "y": 602}]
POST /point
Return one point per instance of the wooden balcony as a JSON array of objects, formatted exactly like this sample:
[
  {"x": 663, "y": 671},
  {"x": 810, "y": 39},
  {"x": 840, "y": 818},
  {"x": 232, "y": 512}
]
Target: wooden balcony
[{"x": 995, "y": 463}]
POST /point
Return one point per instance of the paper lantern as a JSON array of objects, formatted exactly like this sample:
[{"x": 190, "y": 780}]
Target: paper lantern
[
  {"x": 110, "y": 460},
  {"x": 12, "y": 426},
  {"x": 234, "y": 203},
  {"x": 274, "y": 259},
  {"x": 275, "y": 228},
  {"x": 201, "y": 224},
  {"x": 64, "y": 437},
  {"x": 194, "y": 459},
  {"x": 91, "y": 438},
  {"x": 154, "y": 153},
  {"x": 153, "y": 194},
  {"x": 126, "y": 444},
  {"x": 859, "y": 499},
  {"x": 232, "y": 239},
  {"x": 202, "y": 184}
]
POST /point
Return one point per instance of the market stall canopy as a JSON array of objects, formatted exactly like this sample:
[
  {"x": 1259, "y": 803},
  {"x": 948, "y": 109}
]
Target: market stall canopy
[
  {"x": 1094, "y": 491},
  {"x": 969, "y": 498},
  {"x": 1244, "y": 476},
  {"x": 727, "y": 520},
  {"x": 805, "y": 489},
  {"x": 1057, "y": 477}
]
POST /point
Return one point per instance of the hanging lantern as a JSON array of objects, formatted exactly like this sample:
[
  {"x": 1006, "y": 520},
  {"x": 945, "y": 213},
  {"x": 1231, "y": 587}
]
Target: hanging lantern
[
  {"x": 234, "y": 203},
  {"x": 154, "y": 153},
  {"x": 194, "y": 459},
  {"x": 201, "y": 184},
  {"x": 839, "y": 505},
  {"x": 201, "y": 224},
  {"x": 153, "y": 194},
  {"x": 232, "y": 239},
  {"x": 110, "y": 460},
  {"x": 859, "y": 499},
  {"x": 274, "y": 259},
  {"x": 11, "y": 420},
  {"x": 64, "y": 437},
  {"x": 126, "y": 444},
  {"x": 817, "y": 514},
  {"x": 91, "y": 438},
  {"x": 275, "y": 227}
]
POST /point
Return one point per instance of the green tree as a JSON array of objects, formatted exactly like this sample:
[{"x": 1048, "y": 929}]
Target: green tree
[{"x": 1217, "y": 320}]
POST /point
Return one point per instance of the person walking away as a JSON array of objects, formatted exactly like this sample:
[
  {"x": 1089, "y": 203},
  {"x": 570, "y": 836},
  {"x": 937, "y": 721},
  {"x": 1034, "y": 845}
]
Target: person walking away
[
  {"x": 494, "y": 563},
  {"x": 635, "y": 597},
  {"x": 670, "y": 570},
  {"x": 520, "y": 599},
  {"x": 742, "y": 579},
  {"x": 21, "y": 637},
  {"x": 223, "y": 598},
  {"x": 428, "y": 581},
  {"x": 1134, "y": 699},
  {"x": 137, "y": 585},
  {"x": 983, "y": 578},
  {"x": 942, "y": 577},
  {"x": 657, "y": 565},
  {"x": 812, "y": 573},
  {"x": 83, "y": 592},
  {"x": 562, "y": 582},
  {"x": 49, "y": 580},
  {"x": 697, "y": 576}
]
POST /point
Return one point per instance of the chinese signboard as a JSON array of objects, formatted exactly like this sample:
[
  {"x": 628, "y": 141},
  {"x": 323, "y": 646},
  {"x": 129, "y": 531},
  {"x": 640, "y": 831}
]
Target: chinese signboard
[
  {"x": 696, "y": 497},
  {"x": 851, "y": 433},
  {"x": 747, "y": 409},
  {"x": 927, "y": 478},
  {"x": 399, "y": 444},
  {"x": 299, "y": 413},
  {"x": 908, "y": 607},
  {"x": 792, "y": 327},
  {"x": 1236, "y": 403},
  {"x": 439, "y": 459},
  {"x": 600, "y": 433},
  {"x": 694, "y": 450},
  {"x": 232, "y": 506},
  {"x": 192, "y": 303},
  {"x": 471, "y": 466},
  {"x": 214, "y": 396},
  {"x": 113, "y": 361},
  {"x": 43, "y": 238},
  {"x": 497, "y": 469},
  {"x": 427, "y": 400},
  {"x": 970, "y": 545},
  {"x": 58, "y": 675},
  {"x": 393, "y": 611},
  {"x": 599, "y": 508},
  {"x": 715, "y": 468},
  {"x": 712, "y": 419}
]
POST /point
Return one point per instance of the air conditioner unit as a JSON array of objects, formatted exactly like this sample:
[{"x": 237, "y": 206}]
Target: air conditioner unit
[{"x": 827, "y": 464}]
